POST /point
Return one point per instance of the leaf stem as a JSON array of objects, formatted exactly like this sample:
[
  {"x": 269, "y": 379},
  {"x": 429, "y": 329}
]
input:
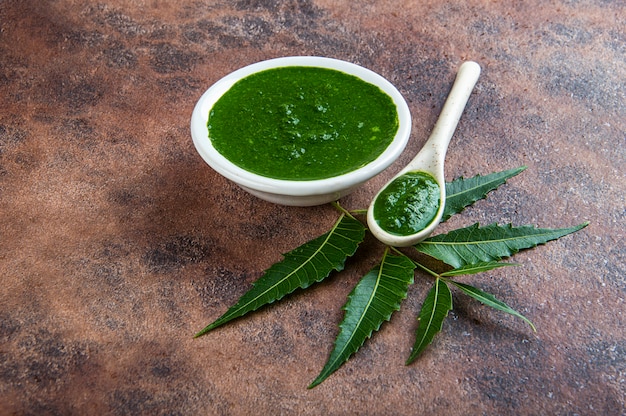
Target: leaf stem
[
  {"x": 341, "y": 209},
  {"x": 420, "y": 266},
  {"x": 426, "y": 269},
  {"x": 349, "y": 213}
]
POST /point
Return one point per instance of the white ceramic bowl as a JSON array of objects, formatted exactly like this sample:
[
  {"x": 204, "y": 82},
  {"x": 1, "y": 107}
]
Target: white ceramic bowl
[{"x": 294, "y": 192}]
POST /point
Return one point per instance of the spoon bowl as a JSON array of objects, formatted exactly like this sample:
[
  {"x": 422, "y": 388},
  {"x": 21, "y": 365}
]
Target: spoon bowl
[{"x": 429, "y": 164}]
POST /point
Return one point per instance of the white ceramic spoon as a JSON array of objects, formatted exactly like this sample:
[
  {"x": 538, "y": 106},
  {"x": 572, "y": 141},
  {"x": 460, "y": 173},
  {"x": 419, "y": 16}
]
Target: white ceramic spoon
[{"x": 432, "y": 156}]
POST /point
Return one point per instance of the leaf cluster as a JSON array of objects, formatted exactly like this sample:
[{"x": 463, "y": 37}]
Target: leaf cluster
[{"x": 380, "y": 292}]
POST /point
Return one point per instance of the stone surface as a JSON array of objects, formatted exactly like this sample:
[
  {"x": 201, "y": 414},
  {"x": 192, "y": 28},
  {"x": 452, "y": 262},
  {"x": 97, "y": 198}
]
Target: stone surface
[{"x": 117, "y": 242}]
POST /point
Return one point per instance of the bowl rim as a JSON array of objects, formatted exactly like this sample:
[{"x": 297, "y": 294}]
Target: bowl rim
[{"x": 228, "y": 169}]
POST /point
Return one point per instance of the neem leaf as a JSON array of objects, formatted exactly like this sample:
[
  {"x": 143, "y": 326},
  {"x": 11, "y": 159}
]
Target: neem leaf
[
  {"x": 301, "y": 267},
  {"x": 435, "y": 308},
  {"x": 370, "y": 303},
  {"x": 462, "y": 192},
  {"x": 490, "y": 300},
  {"x": 475, "y": 244},
  {"x": 476, "y": 268}
]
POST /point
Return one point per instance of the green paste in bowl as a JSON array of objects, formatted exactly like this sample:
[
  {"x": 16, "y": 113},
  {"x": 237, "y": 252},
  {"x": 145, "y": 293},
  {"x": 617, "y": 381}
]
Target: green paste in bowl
[{"x": 302, "y": 123}]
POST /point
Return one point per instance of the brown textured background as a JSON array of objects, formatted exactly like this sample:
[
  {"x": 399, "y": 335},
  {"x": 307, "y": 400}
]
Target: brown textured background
[{"x": 117, "y": 242}]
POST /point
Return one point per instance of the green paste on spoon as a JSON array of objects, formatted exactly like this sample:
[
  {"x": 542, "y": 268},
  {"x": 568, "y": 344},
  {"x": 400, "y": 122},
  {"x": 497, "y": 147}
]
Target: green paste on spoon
[{"x": 408, "y": 204}]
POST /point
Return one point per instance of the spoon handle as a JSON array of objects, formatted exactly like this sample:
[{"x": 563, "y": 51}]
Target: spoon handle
[
  {"x": 455, "y": 104},
  {"x": 434, "y": 150}
]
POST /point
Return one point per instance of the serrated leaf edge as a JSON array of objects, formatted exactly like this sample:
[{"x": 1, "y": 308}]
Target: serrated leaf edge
[
  {"x": 226, "y": 316},
  {"x": 474, "y": 268},
  {"x": 498, "y": 179},
  {"x": 434, "y": 241},
  {"x": 426, "y": 335},
  {"x": 490, "y": 300},
  {"x": 331, "y": 366}
]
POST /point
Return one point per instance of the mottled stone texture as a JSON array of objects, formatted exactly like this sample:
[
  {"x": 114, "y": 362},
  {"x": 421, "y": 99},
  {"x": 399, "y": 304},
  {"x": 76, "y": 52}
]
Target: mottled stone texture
[{"x": 117, "y": 242}]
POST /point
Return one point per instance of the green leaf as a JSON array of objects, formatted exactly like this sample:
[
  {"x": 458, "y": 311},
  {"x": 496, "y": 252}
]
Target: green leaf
[
  {"x": 435, "y": 308},
  {"x": 476, "y": 268},
  {"x": 490, "y": 300},
  {"x": 461, "y": 192},
  {"x": 307, "y": 264},
  {"x": 475, "y": 244},
  {"x": 370, "y": 303}
]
